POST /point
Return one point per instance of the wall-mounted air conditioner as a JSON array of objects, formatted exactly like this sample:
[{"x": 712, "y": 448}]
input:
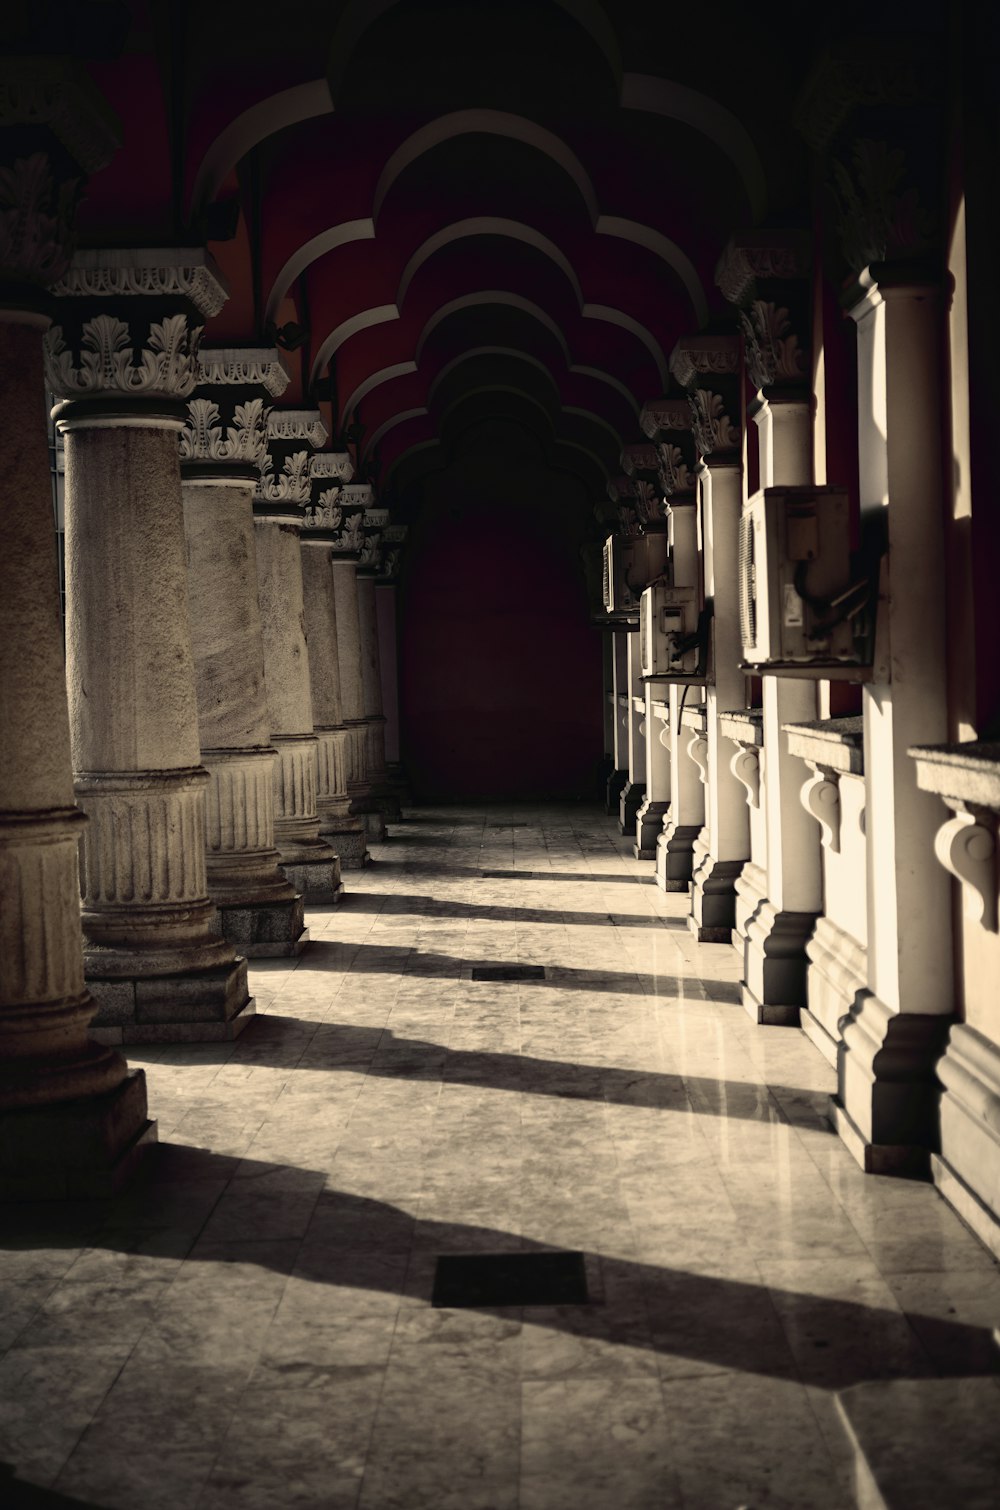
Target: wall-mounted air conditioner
[
  {"x": 619, "y": 599},
  {"x": 670, "y": 643},
  {"x": 804, "y": 609}
]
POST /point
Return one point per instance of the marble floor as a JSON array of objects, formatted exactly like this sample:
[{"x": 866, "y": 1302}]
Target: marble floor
[{"x": 252, "y": 1327}]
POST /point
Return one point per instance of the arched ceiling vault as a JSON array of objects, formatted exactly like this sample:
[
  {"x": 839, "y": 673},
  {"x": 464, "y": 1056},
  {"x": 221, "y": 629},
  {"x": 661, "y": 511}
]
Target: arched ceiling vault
[{"x": 510, "y": 208}]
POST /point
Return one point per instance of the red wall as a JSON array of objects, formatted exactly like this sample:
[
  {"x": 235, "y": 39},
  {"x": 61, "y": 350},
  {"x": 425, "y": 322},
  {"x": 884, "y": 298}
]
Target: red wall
[{"x": 500, "y": 668}]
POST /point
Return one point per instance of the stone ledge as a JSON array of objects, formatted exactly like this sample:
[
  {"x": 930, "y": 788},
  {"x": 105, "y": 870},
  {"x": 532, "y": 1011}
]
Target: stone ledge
[
  {"x": 837, "y": 743},
  {"x": 967, "y": 772},
  {"x": 744, "y": 725}
]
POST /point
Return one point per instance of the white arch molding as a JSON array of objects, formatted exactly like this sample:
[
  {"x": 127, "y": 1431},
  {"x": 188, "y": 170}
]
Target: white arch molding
[{"x": 484, "y": 299}]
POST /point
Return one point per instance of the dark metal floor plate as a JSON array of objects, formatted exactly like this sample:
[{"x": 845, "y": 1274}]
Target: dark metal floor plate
[
  {"x": 507, "y": 875},
  {"x": 510, "y": 1279},
  {"x": 508, "y": 972}
]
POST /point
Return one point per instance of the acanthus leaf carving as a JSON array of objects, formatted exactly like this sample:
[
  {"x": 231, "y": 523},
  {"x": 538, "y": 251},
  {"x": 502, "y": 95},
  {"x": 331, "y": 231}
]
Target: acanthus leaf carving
[
  {"x": 674, "y": 473},
  {"x": 713, "y": 429},
  {"x": 111, "y": 360},
  {"x": 205, "y": 438},
  {"x": 773, "y": 354},
  {"x": 291, "y": 484},
  {"x": 325, "y": 513}
]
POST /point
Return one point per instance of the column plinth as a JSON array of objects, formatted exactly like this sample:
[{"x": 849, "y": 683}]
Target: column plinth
[{"x": 123, "y": 361}]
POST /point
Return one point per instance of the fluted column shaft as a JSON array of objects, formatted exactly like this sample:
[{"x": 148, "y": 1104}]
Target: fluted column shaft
[
  {"x": 306, "y": 859},
  {"x": 155, "y": 961},
  {"x": 73, "y": 1117},
  {"x": 345, "y": 580},
  {"x": 345, "y": 832},
  {"x": 259, "y": 909}
]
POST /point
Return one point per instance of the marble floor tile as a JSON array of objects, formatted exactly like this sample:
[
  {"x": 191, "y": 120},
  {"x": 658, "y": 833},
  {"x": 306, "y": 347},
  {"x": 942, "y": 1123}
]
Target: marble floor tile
[{"x": 252, "y": 1324}]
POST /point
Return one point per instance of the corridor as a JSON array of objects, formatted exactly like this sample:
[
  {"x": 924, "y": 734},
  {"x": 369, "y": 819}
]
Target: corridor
[{"x": 251, "y": 1325}]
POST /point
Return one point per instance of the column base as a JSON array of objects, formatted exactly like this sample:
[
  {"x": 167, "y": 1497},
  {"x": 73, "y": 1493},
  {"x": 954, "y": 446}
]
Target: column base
[
  {"x": 838, "y": 970},
  {"x": 349, "y": 841},
  {"x": 76, "y": 1150},
  {"x": 318, "y": 881},
  {"x": 364, "y": 805},
  {"x": 629, "y": 803},
  {"x": 887, "y": 1105},
  {"x": 774, "y": 975},
  {"x": 648, "y": 828},
  {"x": 713, "y": 898},
  {"x": 265, "y": 930},
  {"x": 675, "y": 856},
  {"x": 616, "y": 784},
  {"x": 967, "y": 1170},
  {"x": 190, "y": 1006},
  {"x": 751, "y": 893},
  {"x": 308, "y": 862}
]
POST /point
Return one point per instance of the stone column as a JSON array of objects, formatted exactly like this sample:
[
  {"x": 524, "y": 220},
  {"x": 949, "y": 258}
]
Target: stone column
[
  {"x": 343, "y": 831},
  {"x": 386, "y": 591},
  {"x": 709, "y": 367},
  {"x": 222, "y": 450},
  {"x": 72, "y": 1115},
  {"x": 347, "y": 547},
  {"x": 619, "y": 685},
  {"x": 122, "y": 359},
  {"x": 767, "y": 277},
  {"x": 307, "y": 860},
  {"x": 887, "y": 1095},
  {"x": 375, "y": 521},
  {"x": 668, "y": 423},
  {"x": 641, "y": 463}
]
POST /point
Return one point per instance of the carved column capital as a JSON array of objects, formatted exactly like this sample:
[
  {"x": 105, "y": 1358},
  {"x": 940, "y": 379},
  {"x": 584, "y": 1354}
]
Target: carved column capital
[
  {"x": 766, "y": 275},
  {"x": 639, "y": 460},
  {"x": 393, "y": 541},
  {"x": 622, "y": 493},
  {"x": 285, "y": 479},
  {"x": 708, "y": 367},
  {"x": 225, "y": 437},
  {"x": 55, "y": 127},
  {"x": 373, "y": 522},
  {"x": 130, "y": 324}
]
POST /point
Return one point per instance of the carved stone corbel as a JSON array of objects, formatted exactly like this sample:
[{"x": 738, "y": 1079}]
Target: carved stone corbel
[
  {"x": 820, "y": 796},
  {"x": 708, "y": 367},
  {"x": 966, "y": 848},
  {"x": 698, "y": 751},
  {"x": 745, "y": 766}
]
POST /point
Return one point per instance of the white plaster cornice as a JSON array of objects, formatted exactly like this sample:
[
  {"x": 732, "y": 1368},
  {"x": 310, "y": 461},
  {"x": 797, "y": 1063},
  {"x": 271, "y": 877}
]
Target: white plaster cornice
[
  {"x": 333, "y": 464},
  {"x": 188, "y": 273},
  {"x": 297, "y": 424},
  {"x": 250, "y": 366}
]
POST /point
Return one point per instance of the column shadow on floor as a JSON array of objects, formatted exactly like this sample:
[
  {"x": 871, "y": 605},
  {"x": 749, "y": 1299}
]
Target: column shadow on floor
[
  {"x": 421, "y": 906},
  {"x": 298, "y": 1044},
  {"x": 438, "y": 868},
  {"x": 355, "y": 1241},
  {"x": 400, "y": 959}
]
